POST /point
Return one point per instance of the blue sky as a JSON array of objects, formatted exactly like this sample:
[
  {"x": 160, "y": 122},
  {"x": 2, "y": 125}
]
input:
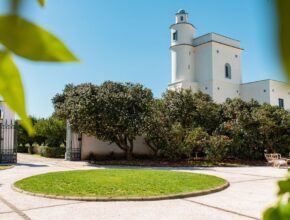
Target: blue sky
[{"x": 127, "y": 40}]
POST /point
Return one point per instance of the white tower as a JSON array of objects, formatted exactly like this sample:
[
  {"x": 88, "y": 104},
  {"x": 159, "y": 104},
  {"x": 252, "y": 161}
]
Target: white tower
[{"x": 182, "y": 49}]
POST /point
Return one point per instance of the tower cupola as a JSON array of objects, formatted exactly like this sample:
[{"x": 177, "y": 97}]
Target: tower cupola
[{"x": 181, "y": 16}]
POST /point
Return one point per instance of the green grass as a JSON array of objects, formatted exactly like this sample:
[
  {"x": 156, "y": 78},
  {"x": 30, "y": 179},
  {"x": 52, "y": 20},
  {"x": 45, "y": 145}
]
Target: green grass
[
  {"x": 118, "y": 183},
  {"x": 5, "y": 167}
]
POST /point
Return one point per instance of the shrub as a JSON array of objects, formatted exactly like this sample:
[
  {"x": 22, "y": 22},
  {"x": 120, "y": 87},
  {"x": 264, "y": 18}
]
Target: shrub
[
  {"x": 30, "y": 149},
  {"x": 218, "y": 147},
  {"x": 197, "y": 139},
  {"x": 22, "y": 149},
  {"x": 53, "y": 152},
  {"x": 176, "y": 148}
]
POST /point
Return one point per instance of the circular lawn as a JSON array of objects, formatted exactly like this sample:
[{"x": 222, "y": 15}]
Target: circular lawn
[{"x": 120, "y": 184}]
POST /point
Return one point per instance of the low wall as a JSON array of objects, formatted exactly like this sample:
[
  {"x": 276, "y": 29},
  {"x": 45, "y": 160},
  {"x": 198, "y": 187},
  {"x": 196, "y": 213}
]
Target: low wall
[{"x": 93, "y": 145}]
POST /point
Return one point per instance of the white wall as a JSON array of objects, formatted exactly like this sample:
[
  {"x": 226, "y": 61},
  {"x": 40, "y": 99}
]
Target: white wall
[
  {"x": 279, "y": 90},
  {"x": 222, "y": 55},
  {"x": 203, "y": 63},
  {"x": 258, "y": 90},
  {"x": 182, "y": 61},
  {"x": 8, "y": 114},
  {"x": 223, "y": 90},
  {"x": 93, "y": 145}
]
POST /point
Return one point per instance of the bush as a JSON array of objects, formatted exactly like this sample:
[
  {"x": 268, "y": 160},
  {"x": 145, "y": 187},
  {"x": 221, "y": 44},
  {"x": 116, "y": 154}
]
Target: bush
[
  {"x": 22, "y": 149},
  {"x": 176, "y": 149},
  {"x": 30, "y": 149},
  {"x": 52, "y": 152},
  {"x": 218, "y": 147},
  {"x": 197, "y": 139}
]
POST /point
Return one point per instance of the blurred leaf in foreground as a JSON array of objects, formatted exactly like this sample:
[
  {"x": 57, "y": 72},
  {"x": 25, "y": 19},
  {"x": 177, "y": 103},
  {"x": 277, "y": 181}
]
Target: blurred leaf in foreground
[
  {"x": 31, "y": 41},
  {"x": 11, "y": 88},
  {"x": 41, "y": 2},
  {"x": 283, "y": 17}
]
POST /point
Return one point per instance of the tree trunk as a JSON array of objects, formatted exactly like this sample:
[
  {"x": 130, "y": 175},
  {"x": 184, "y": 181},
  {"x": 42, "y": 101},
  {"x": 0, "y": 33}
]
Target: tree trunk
[{"x": 130, "y": 150}]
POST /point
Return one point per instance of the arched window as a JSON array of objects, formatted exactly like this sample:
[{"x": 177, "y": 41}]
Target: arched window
[
  {"x": 228, "y": 71},
  {"x": 181, "y": 18}
]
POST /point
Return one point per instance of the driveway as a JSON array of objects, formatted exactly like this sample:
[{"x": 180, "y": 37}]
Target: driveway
[{"x": 252, "y": 189}]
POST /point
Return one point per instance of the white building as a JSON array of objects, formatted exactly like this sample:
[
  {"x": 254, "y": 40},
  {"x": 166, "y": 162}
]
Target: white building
[{"x": 212, "y": 63}]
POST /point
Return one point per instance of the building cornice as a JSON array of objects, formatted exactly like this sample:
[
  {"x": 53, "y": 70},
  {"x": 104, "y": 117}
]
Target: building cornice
[
  {"x": 182, "y": 23},
  {"x": 210, "y": 41}
]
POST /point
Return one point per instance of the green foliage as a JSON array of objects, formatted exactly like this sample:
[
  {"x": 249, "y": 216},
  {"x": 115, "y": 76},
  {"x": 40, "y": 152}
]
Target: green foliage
[
  {"x": 283, "y": 17},
  {"x": 156, "y": 128},
  {"x": 113, "y": 112},
  {"x": 176, "y": 148},
  {"x": 24, "y": 138},
  {"x": 197, "y": 140},
  {"x": 218, "y": 147},
  {"x": 42, "y": 2},
  {"x": 30, "y": 41},
  {"x": 274, "y": 128},
  {"x": 52, "y": 152},
  {"x": 22, "y": 149},
  {"x": 52, "y": 130},
  {"x": 238, "y": 123},
  {"x": 281, "y": 210},
  {"x": 191, "y": 109}
]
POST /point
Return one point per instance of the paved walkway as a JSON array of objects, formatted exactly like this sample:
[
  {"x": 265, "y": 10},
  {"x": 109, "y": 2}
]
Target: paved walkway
[{"x": 252, "y": 190}]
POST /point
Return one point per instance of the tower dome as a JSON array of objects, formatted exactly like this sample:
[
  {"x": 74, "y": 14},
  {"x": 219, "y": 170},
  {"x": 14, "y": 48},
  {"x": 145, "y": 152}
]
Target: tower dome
[{"x": 181, "y": 11}]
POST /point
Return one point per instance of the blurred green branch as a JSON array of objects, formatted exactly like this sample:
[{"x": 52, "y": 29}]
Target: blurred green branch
[{"x": 23, "y": 38}]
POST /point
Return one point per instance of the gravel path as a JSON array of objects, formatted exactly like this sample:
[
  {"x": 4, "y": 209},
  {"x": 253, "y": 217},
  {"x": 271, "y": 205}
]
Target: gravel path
[{"x": 252, "y": 190}]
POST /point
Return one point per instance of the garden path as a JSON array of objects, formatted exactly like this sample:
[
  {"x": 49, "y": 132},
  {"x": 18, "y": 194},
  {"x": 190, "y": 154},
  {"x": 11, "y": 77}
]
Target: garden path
[{"x": 252, "y": 190}]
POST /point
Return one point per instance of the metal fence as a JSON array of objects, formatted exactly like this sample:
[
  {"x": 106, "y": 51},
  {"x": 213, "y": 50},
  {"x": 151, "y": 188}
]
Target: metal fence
[
  {"x": 73, "y": 145},
  {"x": 8, "y": 143}
]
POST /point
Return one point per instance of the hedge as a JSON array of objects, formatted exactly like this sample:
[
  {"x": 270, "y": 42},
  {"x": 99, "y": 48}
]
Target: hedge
[{"x": 45, "y": 151}]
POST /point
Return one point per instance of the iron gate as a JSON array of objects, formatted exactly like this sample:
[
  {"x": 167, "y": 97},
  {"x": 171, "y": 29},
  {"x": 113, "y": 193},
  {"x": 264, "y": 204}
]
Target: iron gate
[
  {"x": 73, "y": 145},
  {"x": 8, "y": 143}
]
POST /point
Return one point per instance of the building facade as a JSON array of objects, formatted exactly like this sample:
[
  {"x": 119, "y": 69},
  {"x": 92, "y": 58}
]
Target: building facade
[{"x": 212, "y": 63}]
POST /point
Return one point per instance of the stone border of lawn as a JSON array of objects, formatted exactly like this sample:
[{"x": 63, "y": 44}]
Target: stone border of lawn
[{"x": 111, "y": 199}]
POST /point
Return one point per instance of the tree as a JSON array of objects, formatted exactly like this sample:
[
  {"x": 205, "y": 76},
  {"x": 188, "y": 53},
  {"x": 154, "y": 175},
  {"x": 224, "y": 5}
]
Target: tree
[
  {"x": 24, "y": 138},
  {"x": 52, "y": 130},
  {"x": 239, "y": 125},
  {"x": 274, "y": 128},
  {"x": 192, "y": 109},
  {"x": 197, "y": 139},
  {"x": 113, "y": 112},
  {"x": 218, "y": 147},
  {"x": 156, "y": 128}
]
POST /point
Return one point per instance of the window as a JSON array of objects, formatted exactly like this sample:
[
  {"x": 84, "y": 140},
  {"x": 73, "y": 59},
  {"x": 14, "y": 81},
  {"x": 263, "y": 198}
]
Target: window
[
  {"x": 181, "y": 18},
  {"x": 281, "y": 103},
  {"x": 174, "y": 36},
  {"x": 228, "y": 73}
]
